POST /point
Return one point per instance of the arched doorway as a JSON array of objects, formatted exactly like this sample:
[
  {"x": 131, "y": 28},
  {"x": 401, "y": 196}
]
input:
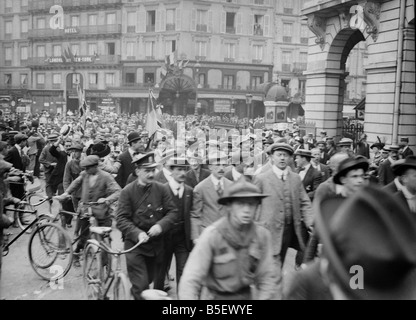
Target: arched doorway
[{"x": 178, "y": 95}]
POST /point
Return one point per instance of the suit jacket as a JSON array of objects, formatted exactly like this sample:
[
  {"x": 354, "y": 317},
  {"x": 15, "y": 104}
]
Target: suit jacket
[
  {"x": 391, "y": 188},
  {"x": 13, "y": 156},
  {"x": 271, "y": 212},
  {"x": 311, "y": 181},
  {"x": 190, "y": 178},
  {"x": 57, "y": 174},
  {"x": 407, "y": 152},
  {"x": 324, "y": 158},
  {"x": 126, "y": 168},
  {"x": 205, "y": 208},
  {"x": 46, "y": 159},
  {"x": 187, "y": 197},
  {"x": 402, "y": 199},
  {"x": 138, "y": 214},
  {"x": 385, "y": 173},
  {"x": 325, "y": 173}
]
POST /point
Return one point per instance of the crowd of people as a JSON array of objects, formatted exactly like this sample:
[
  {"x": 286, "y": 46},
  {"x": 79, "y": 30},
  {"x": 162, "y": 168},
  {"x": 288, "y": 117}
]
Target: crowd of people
[{"x": 230, "y": 213}]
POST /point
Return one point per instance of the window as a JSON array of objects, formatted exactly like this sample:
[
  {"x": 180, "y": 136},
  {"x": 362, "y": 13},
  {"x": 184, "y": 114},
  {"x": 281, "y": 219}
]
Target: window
[
  {"x": 230, "y": 52},
  {"x": 8, "y": 29},
  {"x": 170, "y": 46},
  {"x": 23, "y": 53},
  {"x": 150, "y": 49},
  {"x": 130, "y": 77},
  {"x": 131, "y": 21},
  {"x": 9, "y": 6},
  {"x": 24, "y": 26},
  {"x": 230, "y": 22},
  {"x": 76, "y": 79},
  {"x": 202, "y": 20},
  {"x": 201, "y": 50},
  {"x": 75, "y": 49},
  {"x": 258, "y": 25},
  {"x": 288, "y": 7},
  {"x": 74, "y": 21},
  {"x": 40, "y": 51},
  {"x": 92, "y": 49},
  {"x": 258, "y": 52},
  {"x": 56, "y": 78},
  {"x": 111, "y": 18},
  {"x": 111, "y": 48},
  {"x": 256, "y": 81},
  {"x": 92, "y": 20},
  {"x": 303, "y": 57},
  {"x": 149, "y": 78},
  {"x": 151, "y": 21},
  {"x": 170, "y": 19},
  {"x": 8, "y": 54},
  {"x": 202, "y": 80},
  {"x": 302, "y": 87},
  {"x": 57, "y": 50},
  {"x": 109, "y": 79},
  {"x": 8, "y": 79},
  {"x": 24, "y": 4},
  {"x": 228, "y": 82},
  {"x": 286, "y": 61},
  {"x": 130, "y": 49},
  {"x": 41, "y": 23},
  {"x": 40, "y": 78},
  {"x": 23, "y": 79},
  {"x": 287, "y": 32},
  {"x": 93, "y": 78},
  {"x": 304, "y": 34}
]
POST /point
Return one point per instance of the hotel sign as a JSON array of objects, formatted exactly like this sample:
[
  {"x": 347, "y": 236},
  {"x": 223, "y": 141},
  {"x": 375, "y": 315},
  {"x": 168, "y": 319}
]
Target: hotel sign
[
  {"x": 75, "y": 59},
  {"x": 71, "y": 30}
]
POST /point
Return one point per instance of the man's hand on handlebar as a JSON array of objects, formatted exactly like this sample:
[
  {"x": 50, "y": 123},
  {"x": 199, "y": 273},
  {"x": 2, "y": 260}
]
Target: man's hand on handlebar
[
  {"x": 62, "y": 197},
  {"x": 143, "y": 237},
  {"x": 154, "y": 230}
]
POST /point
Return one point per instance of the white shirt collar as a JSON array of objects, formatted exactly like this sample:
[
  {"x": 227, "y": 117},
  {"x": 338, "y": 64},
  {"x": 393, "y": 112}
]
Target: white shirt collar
[
  {"x": 174, "y": 185},
  {"x": 235, "y": 173},
  {"x": 167, "y": 173},
  {"x": 278, "y": 172},
  {"x": 399, "y": 186},
  {"x": 18, "y": 148},
  {"x": 215, "y": 181},
  {"x": 408, "y": 195}
]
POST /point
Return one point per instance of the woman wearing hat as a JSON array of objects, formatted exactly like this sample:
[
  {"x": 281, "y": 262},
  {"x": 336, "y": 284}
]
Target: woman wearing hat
[{"x": 232, "y": 255}]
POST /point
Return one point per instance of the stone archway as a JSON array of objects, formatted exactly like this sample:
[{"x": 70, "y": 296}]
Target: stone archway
[
  {"x": 390, "y": 93},
  {"x": 177, "y": 94}
]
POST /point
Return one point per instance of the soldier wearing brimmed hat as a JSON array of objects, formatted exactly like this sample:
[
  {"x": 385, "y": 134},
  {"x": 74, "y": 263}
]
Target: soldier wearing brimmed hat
[
  {"x": 385, "y": 173},
  {"x": 178, "y": 239},
  {"x": 205, "y": 209},
  {"x": 145, "y": 212},
  {"x": 405, "y": 170},
  {"x": 234, "y": 254},
  {"x": 368, "y": 250},
  {"x": 96, "y": 186},
  {"x": 290, "y": 205}
]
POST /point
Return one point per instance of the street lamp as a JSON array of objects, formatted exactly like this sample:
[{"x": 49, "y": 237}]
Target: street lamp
[
  {"x": 197, "y": 67},
  {"x": 249, "y": 99}
]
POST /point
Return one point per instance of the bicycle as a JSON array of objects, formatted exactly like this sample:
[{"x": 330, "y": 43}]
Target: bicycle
[
  {"x": 97, "y": 280},
  {"x": 47, "y": 242},
  {"x": 24, "y": 218}
]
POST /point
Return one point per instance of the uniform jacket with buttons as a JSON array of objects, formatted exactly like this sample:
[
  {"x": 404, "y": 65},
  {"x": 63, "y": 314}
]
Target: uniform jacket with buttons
[
  {"x": 271, "y": 212},
  {"x": 138, "y": 214},
  {"x": 218, "y": 266}
]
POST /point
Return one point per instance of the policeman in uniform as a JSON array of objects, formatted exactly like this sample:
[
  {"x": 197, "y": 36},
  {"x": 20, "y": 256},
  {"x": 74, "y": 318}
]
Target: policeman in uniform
[{"x": 145, "y": 212}]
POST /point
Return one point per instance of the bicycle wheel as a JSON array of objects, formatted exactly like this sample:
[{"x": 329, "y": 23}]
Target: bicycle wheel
[
  {"x": 92, "y": 273},
  {"x": 27, "y": 217},
  {"x": 50, "y": 251},
  {"x": 122, "y": 288}
]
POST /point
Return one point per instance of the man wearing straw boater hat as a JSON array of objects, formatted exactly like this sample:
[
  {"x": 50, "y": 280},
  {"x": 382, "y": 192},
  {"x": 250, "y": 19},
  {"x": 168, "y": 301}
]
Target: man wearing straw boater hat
[{"x": 234, "y": 255}]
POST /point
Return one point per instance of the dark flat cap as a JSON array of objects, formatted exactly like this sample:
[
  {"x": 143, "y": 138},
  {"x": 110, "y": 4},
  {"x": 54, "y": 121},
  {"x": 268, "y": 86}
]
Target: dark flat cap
[
  {"x": 146, "y": 161},
  {"x": 89, "y": 161},
  {"x": 19, "y": 137},
  {"x": 280, "y": 146}
]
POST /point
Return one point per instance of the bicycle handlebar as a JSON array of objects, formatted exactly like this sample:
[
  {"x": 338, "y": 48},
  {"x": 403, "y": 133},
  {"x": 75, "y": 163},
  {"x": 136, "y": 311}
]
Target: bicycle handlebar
[{"x": 109, "y": 250}]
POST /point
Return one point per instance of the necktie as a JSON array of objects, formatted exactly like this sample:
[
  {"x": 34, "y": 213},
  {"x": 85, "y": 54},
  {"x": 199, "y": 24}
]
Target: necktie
[
  {"x": 219, "y": 189},
  {"x": 178, "y": 192}
]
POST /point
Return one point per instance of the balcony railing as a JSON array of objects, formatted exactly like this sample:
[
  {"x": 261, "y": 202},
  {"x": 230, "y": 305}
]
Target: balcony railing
[
  {"x": 202, "y": 27},
  {"x": 45, "y": 5},
  {"x": 304, "y": 40},
  {"x": 258, "y": 31},
  {"x": 261, "y": 2},
  {"x": 201, "y": 58},
  {"x": 228, "y": 87},
  {"x": 101, "y": 59},
  {"x": 288, "y": 10},
  {"x": 131, "y": 28},
  {"x": 75, "y": 31},
  {"x": 230, "y": 30},
  {"x": 287, "y": 39},
  {"x": 40, "y": 86},
  {"x": 229, "y": 59},
  {"x": 170, "y": 27},
  {"x": 299, "y": 67},
  {"x": 257, "y": 61},
  {"x": 286, "y": 67},
  {"x": 150, "y": 28}
]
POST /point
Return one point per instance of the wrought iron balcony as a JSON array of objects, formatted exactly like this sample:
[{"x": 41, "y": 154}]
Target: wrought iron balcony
[
  {"x": 170, "y": 27},
  {"x": 75, "y": 31},
  {"x": 202, "y": 27},
  {"x": 45, "y": 5}
]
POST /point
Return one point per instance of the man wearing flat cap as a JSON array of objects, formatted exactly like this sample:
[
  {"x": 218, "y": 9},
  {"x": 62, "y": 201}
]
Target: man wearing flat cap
[
  {"x": 145, "y": 212},
  {"x": 234, "y": 255},
  {"x": 385, "y": 173},
  {"x": 96, "y": 186},
  {"x": 287, "y": 213}
]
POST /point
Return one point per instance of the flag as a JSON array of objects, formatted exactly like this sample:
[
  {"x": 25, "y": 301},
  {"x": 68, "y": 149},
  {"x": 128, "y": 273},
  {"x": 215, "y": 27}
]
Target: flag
[
  {"x": 154, "y": 120},
  {"x": 170, "y": 59},
  {"x": 83, "y": 108}
]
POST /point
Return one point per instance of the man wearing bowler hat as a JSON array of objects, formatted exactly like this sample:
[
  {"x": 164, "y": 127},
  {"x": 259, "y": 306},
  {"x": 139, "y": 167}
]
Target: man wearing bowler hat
[
  {"x": 145, "y": 212},
  {"x": 385, "y": 173},
  {"x": 406, "y": 170},
  {"x": 368, "y": 251},
  {"x": 287, "y": 213},
  {"x": 404, "y": 148},
  {"x": 234, "y": 255},
  {"x": 310, "y": 177},
  {"x": 123, "y": 167},
  {"x": 178, "y": 239}
]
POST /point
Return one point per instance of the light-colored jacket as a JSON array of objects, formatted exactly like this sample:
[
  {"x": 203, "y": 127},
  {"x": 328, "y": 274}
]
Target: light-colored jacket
[
  {"x": 216, "y": 266},
  {"x": 271, "y": 212}
]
